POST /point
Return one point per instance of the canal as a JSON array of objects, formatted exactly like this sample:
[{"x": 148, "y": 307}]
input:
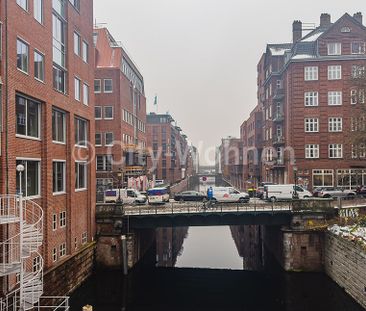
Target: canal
[{"x": 210, "y": 268}]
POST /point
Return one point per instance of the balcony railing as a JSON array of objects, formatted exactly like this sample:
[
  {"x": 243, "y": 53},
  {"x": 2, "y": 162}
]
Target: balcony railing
[
  {"x": 278, "y": 140},
  {"x": 279, "y": 94},
  {"x": 279, "y": 117}
]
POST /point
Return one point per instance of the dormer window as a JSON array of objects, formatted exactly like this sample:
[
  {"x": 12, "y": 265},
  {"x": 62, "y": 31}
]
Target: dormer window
[
  {"x": 345, "y": 29},
  {"x": 358, "y": 47},
  {"x": 334, "y": 48}
]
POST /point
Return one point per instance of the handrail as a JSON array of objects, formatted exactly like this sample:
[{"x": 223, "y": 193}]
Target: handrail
[{"x": 9, "y": 206}]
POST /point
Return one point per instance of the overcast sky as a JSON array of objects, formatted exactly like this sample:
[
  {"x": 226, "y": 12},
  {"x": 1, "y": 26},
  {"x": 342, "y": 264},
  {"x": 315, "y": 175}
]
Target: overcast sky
[{"x": 200, "y": 56}]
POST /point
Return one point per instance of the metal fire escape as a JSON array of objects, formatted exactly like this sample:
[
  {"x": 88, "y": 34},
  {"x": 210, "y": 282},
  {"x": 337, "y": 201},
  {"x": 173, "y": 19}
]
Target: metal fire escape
[{"x": 20, "y": 261}]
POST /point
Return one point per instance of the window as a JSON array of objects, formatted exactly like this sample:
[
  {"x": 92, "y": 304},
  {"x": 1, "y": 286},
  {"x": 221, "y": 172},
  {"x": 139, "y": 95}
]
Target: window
[
  {"x": 358, "y": 151},
  {"x": 97, "y": 86},
  {"x": 80, "y": 175},
  {"x": 358, "y": 47},
  {"x": 59, "y": 177},
  {"x": 353, "y": 97},
  {"x": 77, "y": 89},
  {"x": 334, "y": 98},
  {"x": 108, "y": 86},
  {"x": 59, "y": 6},
  {"x": 58, "y": 126},
  {"x": 77, "y": 44},
  {"x": 323, "y": 178},
  {"x": 357, "y": 96},
  {"x": 23, "y": 4},
  {"x": 85, "y": 52},
  {"x": 59, "y": 46},
  {"x": 76, "y": 4},
  {"x": 63, "y": 219},
  {"x": 36, "y": 264},
  {"x": 22, "y": 55},
  {"x": 311, "y": 73},
  {"x": 104, "y": 163},
  {"x": 109, "y": 139},
  {"x": 38, "y": 10},
  {"x": 311, "y": 125},
  {"x": 59, "y": 79},
  {"x": 311, "y": 99},
  {"x": 54, "y": 254},
  {"x": 358, "y": 72},
  {"x": 80, "y": 132},
  {"x": 30, "y": 178},
  {"x": 335, "y": 124},
  {"x": 38, "y": 66},
  {"x": 27, "y": 117},
  {"x": 334, "y": 48},
  {"x": 311, "y": 151},
  {"x": 335, "y": 151},
  {"x": 108, "y": 113},
  {"x": 84, "y": 238},
  {"x": 85, "y": 94},
  {"x": 334, "y": 72},
  {"x": 98, "y": 112},
  {"x": 98, "y": 139},
  {"x": 54, "y": 222},
  {"x": 62, "y": 250}
]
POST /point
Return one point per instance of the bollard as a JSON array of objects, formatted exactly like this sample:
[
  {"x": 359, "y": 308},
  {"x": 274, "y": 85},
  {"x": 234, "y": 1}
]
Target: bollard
[{"x": 88, "y": 308}]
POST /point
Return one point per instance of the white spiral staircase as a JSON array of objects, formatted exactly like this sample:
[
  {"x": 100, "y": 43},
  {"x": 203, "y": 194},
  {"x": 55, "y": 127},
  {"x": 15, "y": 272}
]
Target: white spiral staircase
[{"x": 19, "y": 255}]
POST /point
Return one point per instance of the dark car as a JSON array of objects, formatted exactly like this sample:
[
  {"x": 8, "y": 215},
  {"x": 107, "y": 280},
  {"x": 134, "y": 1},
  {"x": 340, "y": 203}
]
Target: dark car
[
  {"x": 190, "y": 196},
  {"x": 361, "y": 191}
]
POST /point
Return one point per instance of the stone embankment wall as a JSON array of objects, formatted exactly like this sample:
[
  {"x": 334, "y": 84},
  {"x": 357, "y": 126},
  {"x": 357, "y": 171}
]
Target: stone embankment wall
[
  {"x": 345, "y": 263},
  {"x": 71, "y": 273}
]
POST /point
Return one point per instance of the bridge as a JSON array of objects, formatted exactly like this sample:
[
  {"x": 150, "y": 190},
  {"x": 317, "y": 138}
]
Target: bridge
[{"x": 202, "y": 214}]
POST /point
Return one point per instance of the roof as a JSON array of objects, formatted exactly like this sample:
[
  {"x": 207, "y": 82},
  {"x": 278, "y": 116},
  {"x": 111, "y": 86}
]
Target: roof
[{"x": 279, "y": 49}]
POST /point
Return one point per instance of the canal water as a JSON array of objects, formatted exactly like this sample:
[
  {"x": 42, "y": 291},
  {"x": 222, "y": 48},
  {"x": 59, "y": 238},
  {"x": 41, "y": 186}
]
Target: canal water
[{"x": 210, "y": 268}]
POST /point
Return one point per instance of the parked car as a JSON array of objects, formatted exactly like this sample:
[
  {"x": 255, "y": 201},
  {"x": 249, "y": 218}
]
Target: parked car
[
  {"x": 229, "y": 195},
  {"x": 190, "y": 196},
  {"x": 260, "y": 193},
  {"x": 285, "y": 192},
  {"x": 361, "y": 191},
  {"x": 332, "y": 192},
  {"x": 158, "y": 195},
  {"x": 128, "y": 196}
]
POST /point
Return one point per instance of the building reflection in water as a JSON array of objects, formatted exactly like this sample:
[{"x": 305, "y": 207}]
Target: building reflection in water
[{"x": 169, "y": 245}]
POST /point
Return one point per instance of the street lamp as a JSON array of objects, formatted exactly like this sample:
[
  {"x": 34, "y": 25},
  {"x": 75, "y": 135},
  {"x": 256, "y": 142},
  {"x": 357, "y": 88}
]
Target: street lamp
[
  {"x": 20, "y": 169},
  {"x": 295, "y": 178},
  {"x": 119, "y": 175}
]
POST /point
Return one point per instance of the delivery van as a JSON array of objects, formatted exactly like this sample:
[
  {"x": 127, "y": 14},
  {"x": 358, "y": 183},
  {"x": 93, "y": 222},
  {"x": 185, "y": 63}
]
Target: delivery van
[
  {"x": 158, "y": 195},
  {"x": 285, "y": 192},
  {"x": 128, "y": 196},
  {"x": 229, "y": 195}
]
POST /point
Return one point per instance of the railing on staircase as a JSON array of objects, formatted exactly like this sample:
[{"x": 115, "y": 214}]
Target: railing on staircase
[{"x": 19, "y": 255}]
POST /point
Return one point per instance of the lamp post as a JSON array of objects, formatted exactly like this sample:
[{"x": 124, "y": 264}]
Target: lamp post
[
  {"x": 119, "y": 175},
  {"x": 295, "y": 178}
]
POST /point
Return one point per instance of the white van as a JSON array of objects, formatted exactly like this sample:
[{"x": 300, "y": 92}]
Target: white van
[
  {"x": 128, "y": 196},
  {"x": 229, "y": 195},
  {"x": 285, "y": 192}
]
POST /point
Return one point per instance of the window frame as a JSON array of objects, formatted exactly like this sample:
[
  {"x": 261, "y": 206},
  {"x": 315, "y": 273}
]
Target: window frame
[
  {"x": 77, "y": 169},
  {"x": 334, "y": 72},
  {"x": 361, "y": 43},
  {"x": 62, "y": 219},
  {"x": 18, "y": 2},
  {"x": 39, "y": 115},
  {"x": 333, "y": 125},
  {"x": 63, "y": 191},
  {"x": 101, "y": 112},
  {"x": 105, "y": 139},
  {"x": 43, "y": 62},
  {"x": 85, "y": 52},
  {"x": 101, "y": 139},
  {"x": 334, "y": 148},
  {"x": 100, "y": 86},
  {"x": 311, "y": 96},
  {"x": 332, "y": 95},
  {"x": 77, "y": 88},
  {"x": 311, "y": 73},
  {"x": 25, "y": 176},
  {"x": 312, "y": 148},
  {"x": 86, "y": 94},
  {"x": 26, "y": 44},
  {"x": 77, "y": 47},
  {"x": 337, "y": 48},
  {"x": 104, "y": 84},
  {"x": 41, "y": 20},
  {"x": 58, "y": 111},
  {"x": 104, "y": 112},
  {"x": 311, "y": 125}
]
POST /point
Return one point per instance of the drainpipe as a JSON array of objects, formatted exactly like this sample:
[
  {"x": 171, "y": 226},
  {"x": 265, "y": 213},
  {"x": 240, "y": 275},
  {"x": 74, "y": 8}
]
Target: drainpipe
[{"x": 6, "y": 101}]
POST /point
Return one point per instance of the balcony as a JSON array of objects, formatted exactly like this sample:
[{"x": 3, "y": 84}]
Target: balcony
[
  {"x": 279, "y": 117},
  {"x": 279, "y": 94},
  {"x": 278, "y": 140}
]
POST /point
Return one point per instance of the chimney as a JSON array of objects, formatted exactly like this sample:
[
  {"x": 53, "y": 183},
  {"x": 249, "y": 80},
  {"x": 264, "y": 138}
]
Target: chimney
[
  {"x": 358, "y": 17},
  {"x": 296, "y": 31},
  {"x": 325, "y": 20}
]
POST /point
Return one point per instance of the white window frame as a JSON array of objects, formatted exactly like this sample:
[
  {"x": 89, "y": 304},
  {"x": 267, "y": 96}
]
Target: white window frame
[
  {"x": 84, "y": 238},
  {"x": 101, "y": 140},
  {"x": 85, "y": 142},
  {"x": 312, "y": 151},
  {"x": 106, "y": 140},
  {"x": 311, "y": 99},
  {"x": 43, "y": 67},
  {"x": 62, "y": 250},
  {"x": 104, "y": 112},
  {"x": 85, "y": 167},
  {"x": 85, "y": 51},
  {"x": 101, "y": 112},
  {"x": 335, "y": 72},
  {"x": 104, "y": 90},
  {"x": 38, "y": 18},
  {"x": 26, "y": 44},
  {"x": 23, "y": 4},
  {"x": 63, "y": 191},
  {"x": 100, "y": 86},
  {"x": 24, "y": 175},
  {"x": 54, "y": 254},
  {"x": 54, "y": 222},
  {"x": 77, "y": 44},
  {"x": 334, "y": 48},
  {"x": 86, "y": 94},
  {"x": 77, "y": 88},
  {"x": 334, "y": 98},
  {"x": 38, "y": 138},
  {"x": 335, "y": 151},
  {"x": 62, "y": 219},
  {"x": 64, "y": 127},
  {"x": 335, "y": 124},
  {"x": 36, "y": 264},
  {"x": 362, "y": 47},
  {"x": 311, "y": 73},
  {"x": 311, "y": 125}
]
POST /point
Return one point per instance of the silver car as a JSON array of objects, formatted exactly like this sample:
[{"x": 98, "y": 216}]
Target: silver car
[{"x": 336, "y": 193}]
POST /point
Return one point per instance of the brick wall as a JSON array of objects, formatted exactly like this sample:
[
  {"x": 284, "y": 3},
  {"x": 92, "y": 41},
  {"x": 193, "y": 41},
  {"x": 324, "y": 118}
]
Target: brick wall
[{"x": 345, "y": 263}]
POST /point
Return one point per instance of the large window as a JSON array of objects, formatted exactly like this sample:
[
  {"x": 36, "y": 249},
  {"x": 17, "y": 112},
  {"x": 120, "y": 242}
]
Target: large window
[
  {"x": 59, "y": 46},
  {"x": 108, "y": 86},
  {"x": 311, "y": 99},
  {"x": 312, "y": 151},
  {"x": 311, "y": 125},
  {"x": 335, "y": 151},
  {"x": 358, "y": 47},
  {"x": 334, "y": 48},
  {"x": 334, "y": 72},
  {"x": 335, "y": 124},
  {"x": 23, "y": 4},
  {"x": 38, "y": 66},
  {"x": 59, "y": 177},
  {"x": 77, "y": 87},
  {"x": 77, "y": 44},
  {"x": 80, "y": 175},
  {"x": 22, "y": 55},
  {"x": 108, "y": 113},
  {"x": 30, "y": 178},
  {"x": 323, "y": 178},
  {"x": 104, "y": 163},
  {"x": 38, "y": 10},
  {"x": 58, "y": 126},
  {"x": 109, "y": 139},
  {"x": 80, "y": 132},
  {"x": 59, "y": 79},
  {"x": 334, "y": 98},
  {"x": 27, "y": 117},
  {"x": 311, "y": 73}
]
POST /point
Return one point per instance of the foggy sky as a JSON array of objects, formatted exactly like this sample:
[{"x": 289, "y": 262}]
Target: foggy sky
[{"x": 200, "y": 56}]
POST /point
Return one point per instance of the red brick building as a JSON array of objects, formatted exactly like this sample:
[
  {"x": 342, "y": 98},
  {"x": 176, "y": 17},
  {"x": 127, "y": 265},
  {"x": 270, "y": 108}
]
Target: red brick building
[
  {"x": 120, "y": 112},
  {"x": 308, "y": 104},
  {"x": 47, "y": 114},
  {"x": 171, "y": 157}
]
